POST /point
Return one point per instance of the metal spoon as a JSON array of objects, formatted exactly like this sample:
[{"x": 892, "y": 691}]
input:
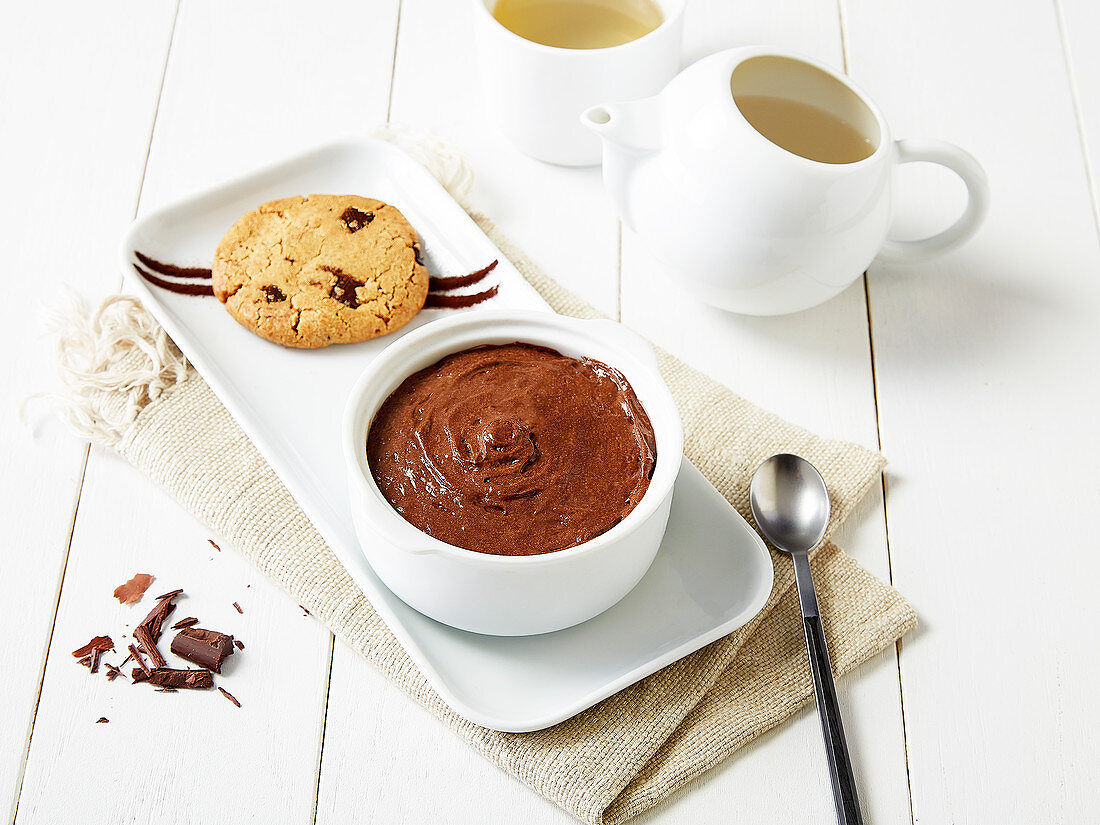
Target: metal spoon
[{"x": 791, "y": 506}]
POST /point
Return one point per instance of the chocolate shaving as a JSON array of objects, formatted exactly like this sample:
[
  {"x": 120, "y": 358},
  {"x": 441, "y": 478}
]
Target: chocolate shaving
[
  {"x": 100, "y": 643},
  {"x": 170, "y": 595},
  {"x": 194, "y": 272},
  {"x": 458, "y": 281},
  {"x": 174, "y": 286},
  {"x": 238, "y": 607},
  {"x": 141, "y": 662},
  {"x": 438, "y": 301},
  {"x": 89, "y": 654},
  {"x": 129, "y": 656},
  {"x": 206, "y": 648},
  {"x": 182, "y": 623},
  {"x": 166, "y": 690},
  {"x": 112, "y": 672},
  {"x": 214, "y": 545},
  {"x": 131, "y": 592},
  {"x": 167, "y": 677},
  {"x": 305, "y": 612},
  {"x": 229, "y": 696},
  {"x": 102, "y": 720},
  {"x": 239, "y": 644},
  {"x": 149, "y": 647},
  {"x": 157, "y": 615}
]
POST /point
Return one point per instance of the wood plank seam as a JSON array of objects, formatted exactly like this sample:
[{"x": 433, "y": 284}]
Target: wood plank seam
[
  {"x": 332, "y": 638},
  {"x": 1075, "y": 96},
  {"x": 844, "y": 50},
  {"x": 393, "y": 65},
  {"x": 86, "y": 458},
  {"x": 324, "y": 729},
  {"x": 49, "y": 636}
]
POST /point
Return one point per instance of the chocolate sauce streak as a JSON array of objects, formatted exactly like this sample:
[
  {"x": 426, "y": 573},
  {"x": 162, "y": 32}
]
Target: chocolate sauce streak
[
  {"x": 193, "y": 272},
  {"x": 438, "y": 301},
  {"x": 173, "y": 286},
  {"x": 457, "y": 281}
]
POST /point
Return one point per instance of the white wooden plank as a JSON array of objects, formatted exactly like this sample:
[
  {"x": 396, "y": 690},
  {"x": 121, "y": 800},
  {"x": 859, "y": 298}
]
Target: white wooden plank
[
  {"x": 73, "y": 155},
  {"x": 382, "y": 752},
  {"x": 163, "y": 754},
  {"x": 988, "y": 401},
  {"x": 813, "y": 368},
  {"x": 1080, "y": 23},
  {"x": 246, "y": 82},
  {"x": 557, "y": 215}
]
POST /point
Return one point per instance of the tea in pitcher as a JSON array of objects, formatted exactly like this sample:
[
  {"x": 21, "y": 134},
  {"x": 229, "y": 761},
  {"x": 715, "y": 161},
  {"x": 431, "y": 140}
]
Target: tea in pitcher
[{"x": 805, "y": 130}]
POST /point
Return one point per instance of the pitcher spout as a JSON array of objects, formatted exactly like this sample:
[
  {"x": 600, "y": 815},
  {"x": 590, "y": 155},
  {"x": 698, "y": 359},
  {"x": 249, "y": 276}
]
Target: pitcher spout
[
  {"x": 633, "y": 126},
  {"x": 630, "y": 132}
]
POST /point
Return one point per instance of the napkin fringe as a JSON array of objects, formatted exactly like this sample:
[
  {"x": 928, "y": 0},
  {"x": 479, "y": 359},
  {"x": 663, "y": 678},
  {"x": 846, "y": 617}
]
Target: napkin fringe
[{"x": 112, "y": 362}]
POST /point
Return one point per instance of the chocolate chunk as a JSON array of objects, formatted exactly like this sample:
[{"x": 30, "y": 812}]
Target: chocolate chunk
[
  {"x": 102, "y": 720},
  {"x": 238, "y": 644},
  {"x": 273, "y": 295},
  {"x": 206, "y": 648},
  {"x": 167, "y": 677},
  {"x": 344, "y": 288},
  {"x": 355, "y": 219},
  {"x": 182, "y": 623},
  {"x": 131, "y": 592},
  {"x": 238, "y": 607},
  {"x": 229, "y": 696}
]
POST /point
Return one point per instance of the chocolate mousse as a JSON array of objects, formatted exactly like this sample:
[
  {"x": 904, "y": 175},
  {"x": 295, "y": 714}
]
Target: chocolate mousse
[{"x": 513, "y": 449}]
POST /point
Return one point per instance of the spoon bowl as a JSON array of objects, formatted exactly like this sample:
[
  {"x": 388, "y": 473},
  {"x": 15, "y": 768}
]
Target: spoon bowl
[{"x": 790, "y": 503}]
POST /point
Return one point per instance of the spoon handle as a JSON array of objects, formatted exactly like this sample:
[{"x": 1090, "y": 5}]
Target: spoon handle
[{"x": 832, "y": 728}]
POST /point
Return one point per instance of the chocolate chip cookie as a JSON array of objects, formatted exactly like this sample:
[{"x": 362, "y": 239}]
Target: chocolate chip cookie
[{"x": 321, "y": 269}]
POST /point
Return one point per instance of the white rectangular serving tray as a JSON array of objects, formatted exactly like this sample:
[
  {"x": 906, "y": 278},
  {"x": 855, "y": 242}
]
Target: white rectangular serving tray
[{"x": 711, "y": 575}]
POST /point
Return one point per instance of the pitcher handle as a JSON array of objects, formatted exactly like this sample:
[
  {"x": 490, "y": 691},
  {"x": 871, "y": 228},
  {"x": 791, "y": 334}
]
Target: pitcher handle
[{"x": 963, "y": 164}]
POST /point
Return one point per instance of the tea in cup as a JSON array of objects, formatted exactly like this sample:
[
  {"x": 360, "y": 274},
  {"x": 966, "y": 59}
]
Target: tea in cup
[{"x": 543, "y": 62}]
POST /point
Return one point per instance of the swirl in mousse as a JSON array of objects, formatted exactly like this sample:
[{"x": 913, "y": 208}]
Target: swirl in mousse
[{"x": 513, "y": 449}]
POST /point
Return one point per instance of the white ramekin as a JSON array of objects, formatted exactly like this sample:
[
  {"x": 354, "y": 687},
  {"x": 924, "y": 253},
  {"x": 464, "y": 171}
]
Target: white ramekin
[{"x": 511, "y": 595}]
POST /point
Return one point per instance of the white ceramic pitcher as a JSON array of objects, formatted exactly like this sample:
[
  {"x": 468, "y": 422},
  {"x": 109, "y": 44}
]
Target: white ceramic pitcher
[{"x": 744, "y": 223}]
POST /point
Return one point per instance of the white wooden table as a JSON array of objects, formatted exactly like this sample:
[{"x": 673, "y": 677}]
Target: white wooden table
[{"x": 976, "y": 375}]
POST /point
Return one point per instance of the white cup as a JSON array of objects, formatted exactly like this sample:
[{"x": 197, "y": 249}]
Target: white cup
[{"x": 535, "y": 93}]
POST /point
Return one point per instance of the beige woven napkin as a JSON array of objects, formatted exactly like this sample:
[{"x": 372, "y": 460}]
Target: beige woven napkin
[{"x": 130, "y": 388}]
